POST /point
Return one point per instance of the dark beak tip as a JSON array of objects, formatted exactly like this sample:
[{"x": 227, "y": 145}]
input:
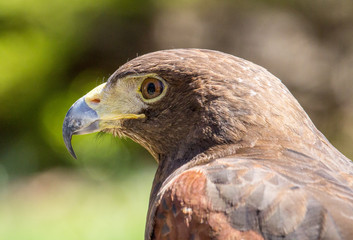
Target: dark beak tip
[
  {"x": 71, "y": 151},
  {"x": 67, "y": 135}
]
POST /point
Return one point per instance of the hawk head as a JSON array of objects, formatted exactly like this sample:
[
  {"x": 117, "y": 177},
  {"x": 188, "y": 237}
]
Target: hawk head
[{"x": 182, "y": 102}]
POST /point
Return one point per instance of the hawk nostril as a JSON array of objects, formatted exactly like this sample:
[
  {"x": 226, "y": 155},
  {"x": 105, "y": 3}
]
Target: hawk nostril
[{"x": 96, "y": 100}]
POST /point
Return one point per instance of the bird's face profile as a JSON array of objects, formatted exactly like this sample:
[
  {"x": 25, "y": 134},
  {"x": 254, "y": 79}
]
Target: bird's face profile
[
  {"x": 178, "y": 103},
  {"x": 141, "y": 102},
  {"x": 125, "y": 99}
]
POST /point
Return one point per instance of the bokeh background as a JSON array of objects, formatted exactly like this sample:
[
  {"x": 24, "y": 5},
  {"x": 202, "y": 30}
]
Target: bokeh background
[{"x": 54, "y": 51}]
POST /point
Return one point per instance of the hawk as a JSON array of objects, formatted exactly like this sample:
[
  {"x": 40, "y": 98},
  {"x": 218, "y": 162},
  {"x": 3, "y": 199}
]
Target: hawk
[{"x": 238, "y": 157}]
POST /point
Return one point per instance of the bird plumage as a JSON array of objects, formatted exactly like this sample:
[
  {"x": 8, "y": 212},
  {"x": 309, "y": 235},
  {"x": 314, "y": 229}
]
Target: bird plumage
[
  {"x": 238, "y": 157},
  {"x": 255, "y": 193}
]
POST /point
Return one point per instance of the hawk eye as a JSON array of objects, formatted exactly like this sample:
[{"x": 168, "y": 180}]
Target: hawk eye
[{"x": 151, "y": 88}]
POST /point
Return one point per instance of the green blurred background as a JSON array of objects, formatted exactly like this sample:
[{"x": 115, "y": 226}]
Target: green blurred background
[{"x": 54, "y": 51}]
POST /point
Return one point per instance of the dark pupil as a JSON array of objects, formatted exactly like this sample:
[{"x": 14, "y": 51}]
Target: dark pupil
[{"x": 151, "y": 88}]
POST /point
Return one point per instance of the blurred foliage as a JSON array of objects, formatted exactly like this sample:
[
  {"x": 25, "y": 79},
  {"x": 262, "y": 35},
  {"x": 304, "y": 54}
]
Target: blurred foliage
[{"x": 52, "y": 52}]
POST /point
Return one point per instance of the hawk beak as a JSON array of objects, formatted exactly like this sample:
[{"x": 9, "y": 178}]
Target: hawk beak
[
  {"x": 83, "y": 117},
  {"x": 80, "y": 119},
  {"x": 91, "y": 113}
]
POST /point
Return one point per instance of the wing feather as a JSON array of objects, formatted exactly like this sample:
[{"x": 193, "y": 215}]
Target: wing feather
[{"x": 243, "y": 198}]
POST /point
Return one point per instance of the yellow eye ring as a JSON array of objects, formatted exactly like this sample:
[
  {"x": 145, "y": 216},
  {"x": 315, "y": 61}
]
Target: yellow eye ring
[{"x": 151, "y": 88}]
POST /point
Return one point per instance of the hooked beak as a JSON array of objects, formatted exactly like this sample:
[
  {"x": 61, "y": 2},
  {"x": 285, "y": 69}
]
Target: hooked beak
[
  {"x": 80, "y": 119},
  {"x": 93, "y": 113}
]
